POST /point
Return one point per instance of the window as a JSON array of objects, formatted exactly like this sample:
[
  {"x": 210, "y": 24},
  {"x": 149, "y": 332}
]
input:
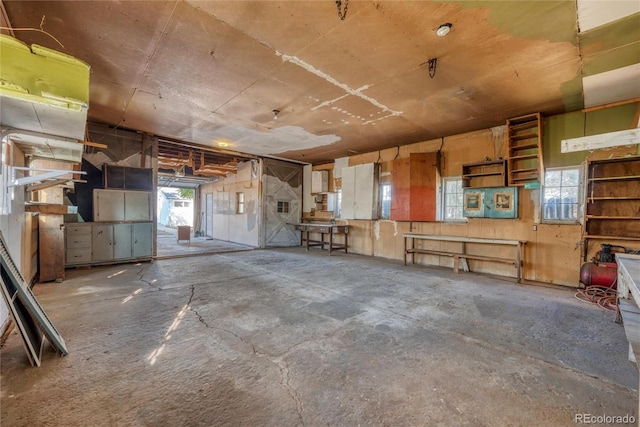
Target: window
[
  {"x": 560, "y": 196},
  {"x": 452, "y": 199},
  {"x": 239, "y": 203},
  {"x": 181, "y": 204},
  {"x": 385, "y": 200},
  {"x": 283, "y": 207}
]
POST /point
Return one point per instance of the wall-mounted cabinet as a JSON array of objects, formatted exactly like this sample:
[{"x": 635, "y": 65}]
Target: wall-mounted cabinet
[
  {"x": 413, "y": 188},
  {"x": 612, "y": 201},
  {"x": 360, "y": 192},
  {"x": 121, "y": 205},
  {"x": 126, "y": 177},
  {"x": 102, "y": 243},
  {"x": 499, "y": 202},
  {"x": 319, "y": 181},
  {"x": 492, "y": 173}
]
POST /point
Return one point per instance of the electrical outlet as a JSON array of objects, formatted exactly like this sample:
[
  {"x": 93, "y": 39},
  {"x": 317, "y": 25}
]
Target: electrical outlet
[{"x": 535, "y": 227}]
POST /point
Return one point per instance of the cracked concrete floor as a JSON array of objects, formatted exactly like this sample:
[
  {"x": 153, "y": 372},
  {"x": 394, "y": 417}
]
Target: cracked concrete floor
[{"x": 285, "y": 338}]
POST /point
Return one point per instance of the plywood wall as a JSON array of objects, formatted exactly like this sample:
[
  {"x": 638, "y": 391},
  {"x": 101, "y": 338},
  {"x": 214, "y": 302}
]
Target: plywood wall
[
  {"x": 227, "y": 225},
  {"x": 552, "y": 253}
]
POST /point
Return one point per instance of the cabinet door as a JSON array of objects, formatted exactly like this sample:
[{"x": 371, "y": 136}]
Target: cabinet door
[
  {"x": 121, "y": 241},
  {"x": 366, "y": 191},
  {"x": 102, "y": 242},
  {"x": 137, "y": 206},
  {"x": 347, "y": 210},
  {"x": 108, "y": 205},
  {"x": 142, "y": 240}
]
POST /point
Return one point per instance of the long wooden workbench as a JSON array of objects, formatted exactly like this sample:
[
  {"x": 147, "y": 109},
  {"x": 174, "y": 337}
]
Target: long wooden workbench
[
  {"x": 323, "y": 229},
  {"x": 629, "y": 303},
  {"x": 516, "y": 260}
]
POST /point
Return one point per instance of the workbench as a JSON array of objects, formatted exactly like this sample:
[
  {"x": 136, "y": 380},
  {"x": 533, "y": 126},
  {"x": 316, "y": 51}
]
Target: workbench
[
  {"x": 324, "y": 229},
  {"x": 516, "y": 260},
  {"x": 629, "y": 302}
]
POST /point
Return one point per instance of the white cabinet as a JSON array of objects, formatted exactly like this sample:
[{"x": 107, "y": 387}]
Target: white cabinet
[
  {"x": 121, "y": 205},
  {"x": 359, "y": 192},
  {"x": 319, "y": 181},
  {"x": 103, "y": 243}
]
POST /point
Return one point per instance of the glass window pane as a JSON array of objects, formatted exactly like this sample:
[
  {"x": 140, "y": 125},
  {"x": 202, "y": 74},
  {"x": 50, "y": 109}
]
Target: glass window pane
[
  {"x": 569, "y": 194},
  {"x": 570, "y": 177},
  {"x": 552, "y": 178}
]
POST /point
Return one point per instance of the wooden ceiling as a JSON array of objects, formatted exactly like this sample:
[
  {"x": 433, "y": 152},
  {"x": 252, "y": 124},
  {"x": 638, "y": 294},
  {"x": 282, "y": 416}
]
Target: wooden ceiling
[{"x": 213, "y": 72}]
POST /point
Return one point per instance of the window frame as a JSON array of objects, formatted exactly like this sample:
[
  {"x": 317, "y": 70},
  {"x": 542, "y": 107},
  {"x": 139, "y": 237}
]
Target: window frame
[
  {"x": 239, "y": 203},
  {"x": 381, "y": 206},
  {"x": 443, "y": 201},
  {"x": 580, "y": 201}
]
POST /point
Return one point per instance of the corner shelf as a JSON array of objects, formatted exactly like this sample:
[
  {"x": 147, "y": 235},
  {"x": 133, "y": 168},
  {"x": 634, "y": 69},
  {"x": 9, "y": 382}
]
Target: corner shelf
[
  {"x": 612, "y": 202},
  {"x": 491, "y": 173}
]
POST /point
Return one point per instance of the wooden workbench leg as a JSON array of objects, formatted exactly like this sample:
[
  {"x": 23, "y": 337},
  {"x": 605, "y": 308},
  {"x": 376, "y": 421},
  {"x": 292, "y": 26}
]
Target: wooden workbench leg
[
  {"x": 307, "y": 231},
  {"x": 405, "y": 250},
  {"x": 346, "y": 244},
  {"x": 519, "y": 263},
  {"x": 456, "y": 260},
  {"x": 330, "y": 241}
]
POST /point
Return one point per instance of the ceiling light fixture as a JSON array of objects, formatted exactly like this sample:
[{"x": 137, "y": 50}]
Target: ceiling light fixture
[
  {"x": 444, "y": 29},
  {"x": 222, "y": 144},
  {"x": 275, "y": 114}
]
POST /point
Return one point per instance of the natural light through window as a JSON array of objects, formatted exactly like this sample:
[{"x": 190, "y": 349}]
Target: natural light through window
[
  {"x": 452, "y": 200},
  {"x": 561, "y": 194}
]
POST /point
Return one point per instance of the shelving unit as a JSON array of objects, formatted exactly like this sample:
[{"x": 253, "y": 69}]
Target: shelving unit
[
  {"x": 524, "y": 157},
  {"x": 612, "y": 202},
  {"x": 492, "y": 173}
]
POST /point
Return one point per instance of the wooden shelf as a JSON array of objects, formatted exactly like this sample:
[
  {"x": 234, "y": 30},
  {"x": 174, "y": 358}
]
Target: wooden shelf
[
  {"x": 524, "y": 157},
  {"x": 616, "y": 178},
  {"x": 626, "y": 218},
  {"x": 605, "y": 237},
  {"x": 524, "y": 146},
  {"x": 491, "y": 173},
  {"x": 612, "y": 196}
]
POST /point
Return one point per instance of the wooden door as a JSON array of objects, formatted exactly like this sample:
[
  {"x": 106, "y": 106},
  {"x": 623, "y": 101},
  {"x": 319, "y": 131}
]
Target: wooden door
[
  {"x": 51, "y": 247},
  {"x": 282, "y": 203}
]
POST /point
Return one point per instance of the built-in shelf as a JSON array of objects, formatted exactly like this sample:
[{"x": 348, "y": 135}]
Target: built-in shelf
[
  {"x": 491, "y": 173},
  {"x": 524, "y": 158},
  {"x": 612, "y": 202}
]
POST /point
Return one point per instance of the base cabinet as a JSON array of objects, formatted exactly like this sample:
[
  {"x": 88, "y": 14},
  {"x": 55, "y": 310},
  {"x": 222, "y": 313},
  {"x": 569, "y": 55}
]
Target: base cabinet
[{"x": 103, "y": 243}]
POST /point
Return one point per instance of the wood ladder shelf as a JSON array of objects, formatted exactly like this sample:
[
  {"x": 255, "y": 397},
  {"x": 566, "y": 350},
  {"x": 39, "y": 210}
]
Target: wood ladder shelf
[{"x": 524, "y": 150}]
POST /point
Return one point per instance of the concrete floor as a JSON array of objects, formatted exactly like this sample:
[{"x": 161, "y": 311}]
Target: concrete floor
[
  {"x": 169, "y": 247},
  {"x": 284, "y": 338}
]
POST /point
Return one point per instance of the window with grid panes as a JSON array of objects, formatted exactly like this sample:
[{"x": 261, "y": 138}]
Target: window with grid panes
[
  {"x": 561, "y": 194},
  {"x": 452, "y": 199}
]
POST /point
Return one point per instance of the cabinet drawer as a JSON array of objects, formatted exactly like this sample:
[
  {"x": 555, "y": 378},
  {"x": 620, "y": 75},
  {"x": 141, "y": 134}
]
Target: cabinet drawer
[
  {"x": 79, "y": 241},
  {"x": 78, "y": 229},
  {"x": 77, "y": 256}
]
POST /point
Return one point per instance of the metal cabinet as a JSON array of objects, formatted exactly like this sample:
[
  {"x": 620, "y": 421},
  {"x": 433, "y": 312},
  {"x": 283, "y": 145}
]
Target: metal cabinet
[
  {"x": 121, "y": 205},
  {"x": 142, "y": 239},
  {"x": 104, "y": 243}
]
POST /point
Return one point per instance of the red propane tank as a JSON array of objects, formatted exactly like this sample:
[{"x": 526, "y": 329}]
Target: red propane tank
[{"x": 601, "y": 274}]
